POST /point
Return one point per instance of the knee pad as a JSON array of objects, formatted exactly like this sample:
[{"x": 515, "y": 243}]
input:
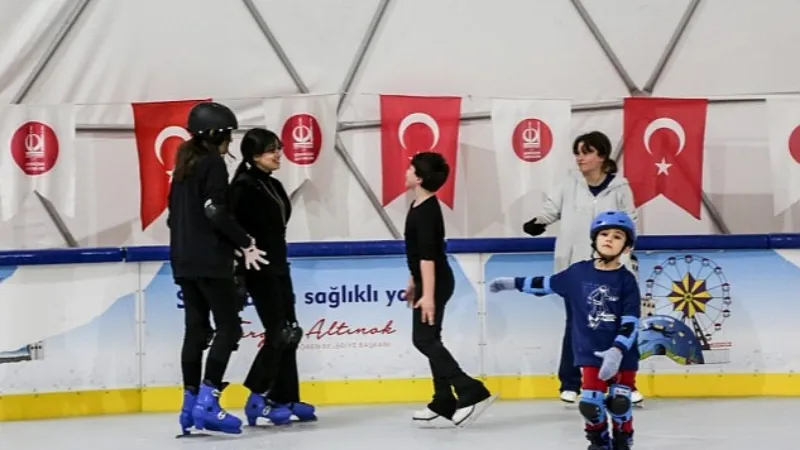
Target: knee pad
[
  {"x": 592, "y": 406},
  {"x": 229, "y": 337},
  {"x": 619, "y": 403}
]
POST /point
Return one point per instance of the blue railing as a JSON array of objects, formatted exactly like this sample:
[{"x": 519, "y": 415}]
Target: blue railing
[{"x": 396, "y": 247}]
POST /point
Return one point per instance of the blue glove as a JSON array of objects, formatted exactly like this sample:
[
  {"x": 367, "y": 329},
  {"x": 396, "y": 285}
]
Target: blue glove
[
  {"x": 612, "y": 359},
  {"x": 502, "y": 284}
]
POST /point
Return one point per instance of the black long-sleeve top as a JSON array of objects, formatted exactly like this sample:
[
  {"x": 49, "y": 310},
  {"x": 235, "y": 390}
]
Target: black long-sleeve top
[
  {"x": 201, "y": 246},
  {"x": 263, "y": 208},
  {"x": 425, "y": 238}
]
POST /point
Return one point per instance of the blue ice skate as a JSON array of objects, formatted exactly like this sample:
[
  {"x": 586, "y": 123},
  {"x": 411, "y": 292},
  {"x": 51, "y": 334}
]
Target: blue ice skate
[
  {"x": 258, "y": 406},
  {"x": 209, "y": 415},
  {"x": 185, "y": 418},
  {"x": 303, "y": 411}
]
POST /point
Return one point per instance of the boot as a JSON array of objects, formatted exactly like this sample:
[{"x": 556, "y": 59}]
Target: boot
[
  {"x": 622, "y": 440},
  {"x": 208, "y": 414},
  {"x": 189, "y": 399},
  {"x": 259, "y": 406},
  {"x": 598, "y": 440}
]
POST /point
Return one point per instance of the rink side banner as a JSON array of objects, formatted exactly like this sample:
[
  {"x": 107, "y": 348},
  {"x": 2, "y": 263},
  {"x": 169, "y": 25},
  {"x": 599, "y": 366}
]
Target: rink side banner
[
  {"x": 353, "y": 311},
  {"x": 715, "y": 323},
  {"x": 702, "y": 312}
]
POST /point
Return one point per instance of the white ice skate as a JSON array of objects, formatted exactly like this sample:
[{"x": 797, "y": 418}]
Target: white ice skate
[
  {"x": 425, "y": 418},
  {"x": 569, "y": 397},
  {"x": 637, "y": 399},
  {"x": 465, "y": 416}
]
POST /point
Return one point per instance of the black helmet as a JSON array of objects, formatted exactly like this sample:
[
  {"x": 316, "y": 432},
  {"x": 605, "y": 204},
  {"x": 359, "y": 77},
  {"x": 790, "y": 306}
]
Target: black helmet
[{"x": 211, "y": 118}]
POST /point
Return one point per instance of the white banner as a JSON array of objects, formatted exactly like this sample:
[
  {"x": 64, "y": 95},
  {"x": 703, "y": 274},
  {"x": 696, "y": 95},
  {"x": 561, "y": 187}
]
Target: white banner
[
  {"x": 306, "y": 125},
  {"x": 38, "y": 154},
  {"x": 783, "y": 122},
  {"x": 531, "y": 144}
]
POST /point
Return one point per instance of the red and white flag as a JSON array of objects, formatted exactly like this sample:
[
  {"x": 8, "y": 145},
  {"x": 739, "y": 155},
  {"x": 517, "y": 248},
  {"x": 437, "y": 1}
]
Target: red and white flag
[
  {"x": 160, "y": 128},
  {"x": 410, "y": 125},
  {"x": 38, "y": 155},
  {"x": 306, "y": 125},
  {"x": 664, "y": 145},
  {"x": 531, "y": 144},
  {"x": 783, "y": 122}
]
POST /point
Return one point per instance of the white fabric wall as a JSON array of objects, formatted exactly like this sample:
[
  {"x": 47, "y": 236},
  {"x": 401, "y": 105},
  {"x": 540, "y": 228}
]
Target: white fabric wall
[{"x": 143, "y": 50}]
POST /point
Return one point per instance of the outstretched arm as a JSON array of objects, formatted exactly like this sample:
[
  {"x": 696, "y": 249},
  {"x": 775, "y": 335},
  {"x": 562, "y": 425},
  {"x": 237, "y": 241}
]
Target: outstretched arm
[{"x": 539, "y": 285}]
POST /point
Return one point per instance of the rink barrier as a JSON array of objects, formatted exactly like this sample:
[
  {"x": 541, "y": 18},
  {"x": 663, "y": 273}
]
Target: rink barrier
[
  {"x": 104, "y": 400},
  {"x": 343, "y": 249}
]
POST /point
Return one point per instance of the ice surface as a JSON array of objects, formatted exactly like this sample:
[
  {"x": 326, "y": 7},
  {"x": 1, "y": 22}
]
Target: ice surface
[{"x": 725, "y": 424}]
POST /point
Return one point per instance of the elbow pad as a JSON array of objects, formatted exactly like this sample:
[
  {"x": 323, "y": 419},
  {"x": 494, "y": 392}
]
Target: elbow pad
[
  {"x": 212, "y": 211},
  {"x": 534, "y": 285},
  {"x": 628, "y": 332}
]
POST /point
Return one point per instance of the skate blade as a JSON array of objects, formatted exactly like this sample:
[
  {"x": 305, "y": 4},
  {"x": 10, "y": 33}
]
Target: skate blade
[
  {"x": 438, "y": 423},
  {"x": 190, "y": 435},
  {"x": 477, "y": 411}
]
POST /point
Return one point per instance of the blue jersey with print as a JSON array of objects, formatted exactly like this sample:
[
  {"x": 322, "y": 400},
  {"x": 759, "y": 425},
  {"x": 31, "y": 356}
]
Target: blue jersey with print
[{"x": 603, "y": 302}]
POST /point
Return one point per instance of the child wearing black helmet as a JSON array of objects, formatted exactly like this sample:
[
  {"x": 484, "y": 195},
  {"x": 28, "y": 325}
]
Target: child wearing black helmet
[
  {"x": 203, "y": 240},
  {"x": 606, "y": 301}
]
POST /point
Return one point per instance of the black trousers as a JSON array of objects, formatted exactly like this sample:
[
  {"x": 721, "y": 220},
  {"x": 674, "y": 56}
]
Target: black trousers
[
  {"x": 274, "y": 369},
  {"x": 446, "y": 372},
  {"x": 568, "y": 373},
  {"x": 204, "y": 297}
]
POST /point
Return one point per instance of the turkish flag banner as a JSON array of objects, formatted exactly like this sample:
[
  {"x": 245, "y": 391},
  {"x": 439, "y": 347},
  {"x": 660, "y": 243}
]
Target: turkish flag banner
[
  {"x": 783, "y": 125},
  {"x": 664, "y": 146},
  {"x": 410, "y": 125},
  {"x": 160, "y": 128}
]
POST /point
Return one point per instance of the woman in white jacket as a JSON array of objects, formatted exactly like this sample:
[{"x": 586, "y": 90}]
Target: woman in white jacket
[{"x": 595, "y": 187}]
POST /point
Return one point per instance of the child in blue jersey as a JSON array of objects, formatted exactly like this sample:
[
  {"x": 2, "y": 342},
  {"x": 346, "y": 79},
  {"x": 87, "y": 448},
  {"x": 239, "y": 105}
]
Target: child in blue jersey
[{"x": 606, "y": 304}]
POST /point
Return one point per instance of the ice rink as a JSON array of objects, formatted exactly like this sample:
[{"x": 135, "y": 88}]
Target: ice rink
[{"x": 547, "y": 425}]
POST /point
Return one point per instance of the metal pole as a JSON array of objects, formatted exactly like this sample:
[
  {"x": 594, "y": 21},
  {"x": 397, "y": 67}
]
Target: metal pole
[
  {"x": 340, "y": 148},
  {"x": 75, "y": 14},
  {"x": 301, "y": 86},
  {"x": 601, "y": 40},
  {"x": 276, "y": 46},
  {"x": 666, "y": 54},
  {"x": 671, "y": 46},
  {"x": 471, "y": 117},
  {"x": 366, "y": 42},
  {"x": 58, "y": 39}
]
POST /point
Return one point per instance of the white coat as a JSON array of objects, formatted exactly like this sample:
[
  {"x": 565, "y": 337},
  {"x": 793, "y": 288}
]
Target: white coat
[{"x": 573, "y": 204}]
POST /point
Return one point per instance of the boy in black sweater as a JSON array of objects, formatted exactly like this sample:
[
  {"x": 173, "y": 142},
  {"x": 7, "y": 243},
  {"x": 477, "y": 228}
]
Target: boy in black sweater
[{"x": 429, "y": 288}]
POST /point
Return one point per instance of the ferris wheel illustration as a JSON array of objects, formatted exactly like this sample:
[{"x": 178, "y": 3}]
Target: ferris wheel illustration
[{"x": 694, "y": 290}]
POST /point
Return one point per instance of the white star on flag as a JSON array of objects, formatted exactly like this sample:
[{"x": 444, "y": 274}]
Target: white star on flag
[{"x": 663, "y": 167}]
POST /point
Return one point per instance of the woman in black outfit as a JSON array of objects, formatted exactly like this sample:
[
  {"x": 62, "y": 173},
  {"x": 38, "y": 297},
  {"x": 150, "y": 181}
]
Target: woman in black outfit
[
  {"x": 203, "y": 239},
  {"x": 260, "y": 203}
]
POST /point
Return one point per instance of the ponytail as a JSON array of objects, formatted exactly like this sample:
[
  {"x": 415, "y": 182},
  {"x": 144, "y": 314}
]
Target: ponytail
[
  {"x": 188, "y": 154},
  {"x": 610, "y": 166},
  {"x": 240, "y": 169}
]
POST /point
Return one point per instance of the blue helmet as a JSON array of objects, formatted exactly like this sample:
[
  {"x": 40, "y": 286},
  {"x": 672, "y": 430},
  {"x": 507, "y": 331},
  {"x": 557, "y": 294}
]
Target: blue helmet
[{"x": 614, "y": 219}]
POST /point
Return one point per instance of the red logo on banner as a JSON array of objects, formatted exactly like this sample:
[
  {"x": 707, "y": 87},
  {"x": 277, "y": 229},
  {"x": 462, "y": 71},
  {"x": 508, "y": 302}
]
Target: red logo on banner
[
  {"x": 302, "y": 139},
  {"x": 160, "y": 130},
  {"x": 34, "y": 147},
  {"x": 794, "y": 144},
  {"x": 664, "y": 142},
  {"x": 410, "y": 125},
  {"x": 532, "y": 140}
]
